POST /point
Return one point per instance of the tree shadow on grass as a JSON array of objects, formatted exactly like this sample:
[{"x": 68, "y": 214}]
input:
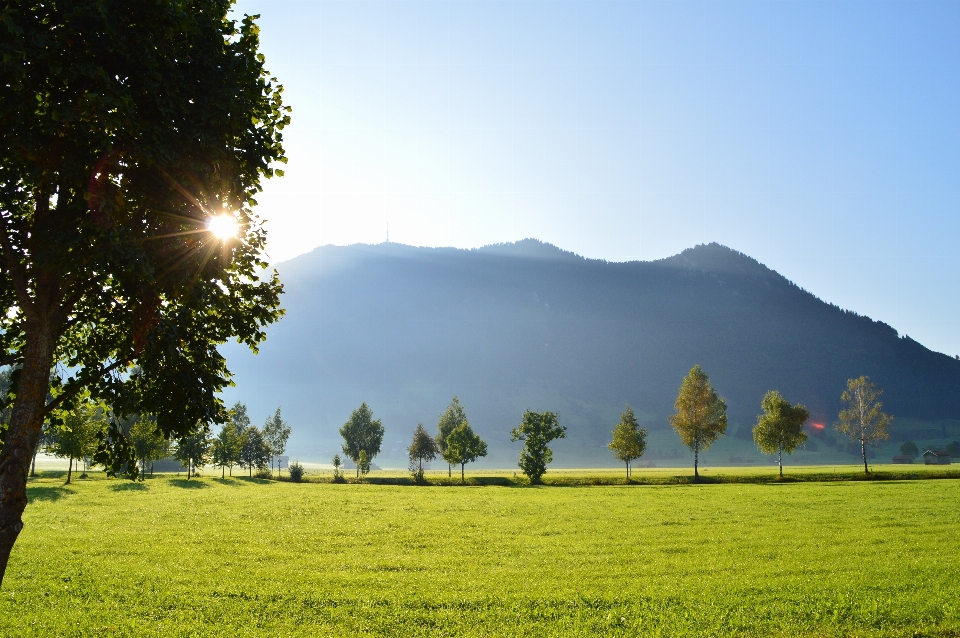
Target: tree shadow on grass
[
  {"x": 47, "y": 493},
  {"x": 232, "y": 481},
  {"x": 190, "y": 484},
  {"x": 129, "y": 486}
]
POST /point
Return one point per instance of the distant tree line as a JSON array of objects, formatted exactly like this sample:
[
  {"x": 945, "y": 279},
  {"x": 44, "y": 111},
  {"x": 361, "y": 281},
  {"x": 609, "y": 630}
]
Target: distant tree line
[{"x": 700, "y": 418}]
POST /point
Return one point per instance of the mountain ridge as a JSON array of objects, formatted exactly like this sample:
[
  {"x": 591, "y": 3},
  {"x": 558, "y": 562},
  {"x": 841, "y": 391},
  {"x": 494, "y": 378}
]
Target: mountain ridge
[{"x": 529, "y": 325}]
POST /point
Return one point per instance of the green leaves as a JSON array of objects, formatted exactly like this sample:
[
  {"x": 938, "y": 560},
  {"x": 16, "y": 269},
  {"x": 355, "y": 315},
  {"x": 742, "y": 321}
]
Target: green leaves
[
  {"x": 701, "y": 415},
  {"x": 362, "y": 436},
  {"x": 629, "y": 439},
  {"x": 537, "y": 430}
]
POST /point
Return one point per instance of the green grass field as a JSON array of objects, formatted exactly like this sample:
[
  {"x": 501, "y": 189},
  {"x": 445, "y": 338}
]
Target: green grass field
[{"x": 241, "y": 557}]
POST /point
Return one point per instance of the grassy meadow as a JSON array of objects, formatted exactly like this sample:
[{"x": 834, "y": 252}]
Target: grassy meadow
[{"x": 248, "y": 557}]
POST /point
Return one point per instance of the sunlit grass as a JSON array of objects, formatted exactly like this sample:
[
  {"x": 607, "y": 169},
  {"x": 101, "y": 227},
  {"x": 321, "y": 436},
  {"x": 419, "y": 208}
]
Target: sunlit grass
[{"x": 247, "y": 557}]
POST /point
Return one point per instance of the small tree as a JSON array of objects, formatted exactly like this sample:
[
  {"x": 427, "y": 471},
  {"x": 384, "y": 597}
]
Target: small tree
[
  {"x": 239, "y": 418},
  {"x": 276, "y": 432},
  {"x": 629, "y": 439},
  {"x": 362, "y": 434},
  {"x": 76, "y": 437},
  {"x": 192, "y": 451},
  {"x": 227, "y": 448},
  {"x": 780, "y": 428},
  {"x": 337, "y": 469},
  {"x": 452, "y": 418},
  {"x": 148, "y": 443},
  {"x": 254, "y": 453},
  {"x": 537, "y": 430},
  {"x": 909, "y": 448},
  {"x": 464, "y": 446},
  {"x": 863, "y": 418},
  {"x": 422, "y": 448},
  {"x": 701, "y": 415}
]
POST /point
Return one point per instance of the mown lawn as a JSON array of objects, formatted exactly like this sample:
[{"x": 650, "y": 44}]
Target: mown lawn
[{"x": 242, "y": 557}]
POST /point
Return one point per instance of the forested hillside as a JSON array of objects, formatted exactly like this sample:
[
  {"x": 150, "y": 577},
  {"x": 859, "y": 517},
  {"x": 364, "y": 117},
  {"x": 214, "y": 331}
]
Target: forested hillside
[{"x": 527, "y": 325}]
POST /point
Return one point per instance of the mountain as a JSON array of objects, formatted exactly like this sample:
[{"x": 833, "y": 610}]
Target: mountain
[{"x": 527, "y": 325}]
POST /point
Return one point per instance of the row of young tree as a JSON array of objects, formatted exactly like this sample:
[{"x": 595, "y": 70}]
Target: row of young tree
[
  {"x": 455, "y": 442},
  {"x": 700, "y": 418}
]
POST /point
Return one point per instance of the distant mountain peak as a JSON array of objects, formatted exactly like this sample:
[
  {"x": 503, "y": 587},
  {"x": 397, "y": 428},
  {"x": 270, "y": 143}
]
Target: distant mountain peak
[
  {"x": 720, "y": 259},
  {"x": 529, "y": 248}
]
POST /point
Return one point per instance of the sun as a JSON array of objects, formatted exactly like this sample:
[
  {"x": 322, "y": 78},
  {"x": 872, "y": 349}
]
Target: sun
[{"x": 223, "y": 226}]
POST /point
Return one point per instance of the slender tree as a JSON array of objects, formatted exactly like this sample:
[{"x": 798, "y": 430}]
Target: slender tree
[
  {"x": 127, "y": 128},
  {"x": 464, "y": 446},
  {"x": 629, "y": 439},
  {"x": 537, "y": 430},
  {"x": 701, "y": 415},
  {"x": 337, "y": 469},
  {"x": 780, "y": 428},
  {"x": 147, "y": 442},
  {"x": 76, "y": 437},
  {"x": 862, "y": 419},
  {"x": 362, "y": 434},
  {"x": 276, "y": 432},
  {"x": 227, "y": 448},
  {"x": 452, "y": 418},
  {"x": 239, "y": 418},
  {"x": 422, "y": 448},
  {"x": 193, "y": 451},
  {"x": 254, "y": 451}
]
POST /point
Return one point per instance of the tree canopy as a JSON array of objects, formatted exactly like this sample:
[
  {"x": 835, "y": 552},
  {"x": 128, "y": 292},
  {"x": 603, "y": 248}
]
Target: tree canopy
[
  {"x": 464, "y": 446},
  {"x": 537, "y": 430},
  {"x": 362, "y": 436},
  {"x": 452, "y": 418},
  {"x": 701, "y": 415},
  {"x": 422, "y": 448},
  {"x": 127, "y": 128},
  {"x": 276, "y": 433},
  {"x": 780, "y": 428},
  {"x": 862, "y": 419},
  {"x": 629, "y": 439}
]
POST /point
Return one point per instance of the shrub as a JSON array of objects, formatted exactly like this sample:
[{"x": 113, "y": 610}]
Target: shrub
[
  {"x": 296, "y": 472},
  {"x": 264, "y": 473}
]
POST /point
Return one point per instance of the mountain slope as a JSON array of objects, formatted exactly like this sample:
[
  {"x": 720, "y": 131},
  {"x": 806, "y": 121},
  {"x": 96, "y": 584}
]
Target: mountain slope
[{"x": 526, "y": 325}]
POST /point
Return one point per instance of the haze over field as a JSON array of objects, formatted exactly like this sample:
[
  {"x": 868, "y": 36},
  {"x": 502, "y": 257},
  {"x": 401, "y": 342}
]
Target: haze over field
[{"x": 528, "y": 325}]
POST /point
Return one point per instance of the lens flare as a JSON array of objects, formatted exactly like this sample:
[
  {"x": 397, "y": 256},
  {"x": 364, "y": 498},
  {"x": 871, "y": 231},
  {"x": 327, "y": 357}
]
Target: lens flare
[{"x": 223, "y": 226}]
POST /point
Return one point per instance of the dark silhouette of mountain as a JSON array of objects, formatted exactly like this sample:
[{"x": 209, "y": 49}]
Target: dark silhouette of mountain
[{"x": 527, "y": 325}]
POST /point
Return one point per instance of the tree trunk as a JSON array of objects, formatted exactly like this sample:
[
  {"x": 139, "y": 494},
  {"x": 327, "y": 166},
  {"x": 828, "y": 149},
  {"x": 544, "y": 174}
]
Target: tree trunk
[
  {"x": 23, "y": 434},
  {"x": 223, "y": 471},
  {"x": 33, "y": 464},
  {"x": 449, "y": 470},
  {"x": 69, "y": 470},
  {"x": 696, "y": 462},
  {"x": 780, "y": 460},
  {"x": 863, "y": 452},
  {"x": 462, "y": 479}
]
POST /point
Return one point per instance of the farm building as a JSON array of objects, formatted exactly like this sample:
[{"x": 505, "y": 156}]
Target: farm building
[
  {"x": 903, "y": 458},
  {"x": 936, "y": 457}
]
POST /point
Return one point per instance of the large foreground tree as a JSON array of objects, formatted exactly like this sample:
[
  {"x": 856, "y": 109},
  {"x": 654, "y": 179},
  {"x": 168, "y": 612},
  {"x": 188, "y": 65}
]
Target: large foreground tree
[
  {"x": 135, "y": 136},
  {"x": 701, "y": 415}
]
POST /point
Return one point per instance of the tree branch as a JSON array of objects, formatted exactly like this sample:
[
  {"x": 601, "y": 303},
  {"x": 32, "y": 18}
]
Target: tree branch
[
  {"x": 17, "y": 272},
  {"x": 50, "y": 407}
]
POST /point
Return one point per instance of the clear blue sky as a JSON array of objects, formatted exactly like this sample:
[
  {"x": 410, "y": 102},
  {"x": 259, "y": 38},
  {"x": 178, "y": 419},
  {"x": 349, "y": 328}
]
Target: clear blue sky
[{"x": 821, "y": 138}]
